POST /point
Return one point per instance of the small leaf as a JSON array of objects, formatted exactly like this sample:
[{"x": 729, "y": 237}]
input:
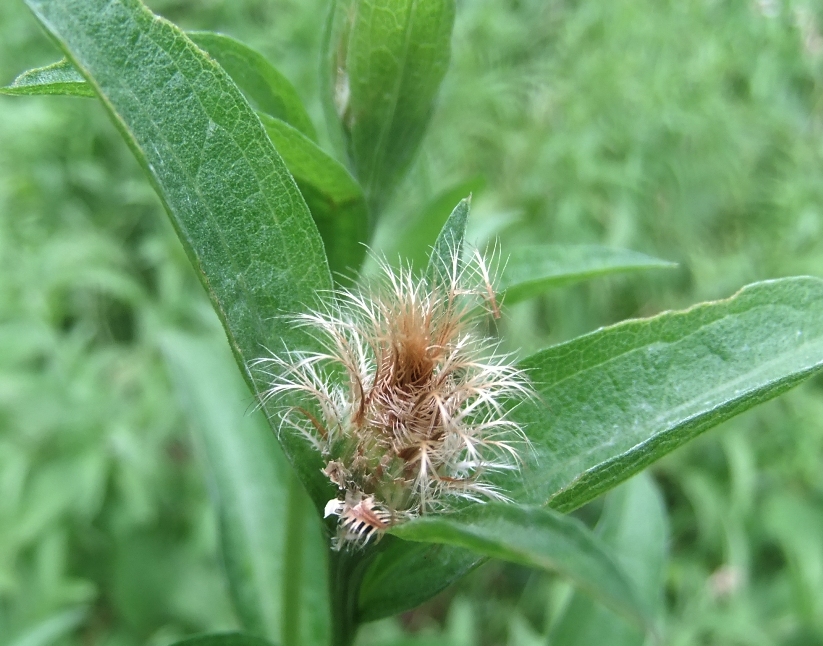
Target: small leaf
[
  {"x": 60, "y": 78},
  {"x": 534, "y": 537},
  {"x": 334, "y": 198},
  {"x": 614, "y": 401},
  {"x": 404, "y": 575},
  {"x": 224, "y": 639},
  {"x": 634, "y": 527},
  {"x": 531, "y": 270},
  {"x": 266, "y": 88},
  {"x": 253, "y": 492},
  {"x": 236, "y": 208},
  {"x": 449, "y": 244},
  {"x": 413, "y": 242},
  {"x": 384, "y": 62}
]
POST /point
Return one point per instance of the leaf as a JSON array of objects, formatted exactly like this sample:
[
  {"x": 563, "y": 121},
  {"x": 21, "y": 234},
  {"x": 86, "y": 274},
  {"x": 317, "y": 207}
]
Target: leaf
[
  {"x": 384, "y": 62},
  {"x": 633, "y": 525},
  {"x": 405, "y": 574},
  {"x": 334, "y": 198},
  {"x": 59, "y": 78},
  {"x": 224, "y": 639},
  {"x": 237, "y": 210},
  {"x": 414, "y": 241},
  {"x": 532, "y": 270},
  {"x": 534, "y": 537},
  {"x": 262, "y": 84},
  {"x": 273, "y": 551},
  {"x": 614, "y": 401},
  {"x": 265, "y": 87},
  {"x": 449, "y": 244}
]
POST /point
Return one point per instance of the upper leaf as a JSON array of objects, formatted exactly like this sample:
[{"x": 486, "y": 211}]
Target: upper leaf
[
  {"x": 384, "y": 62},
  {"x": 612, "y": 402},
  {"x": 532, "y": 270},
  {"x": 236, "y": 208}
]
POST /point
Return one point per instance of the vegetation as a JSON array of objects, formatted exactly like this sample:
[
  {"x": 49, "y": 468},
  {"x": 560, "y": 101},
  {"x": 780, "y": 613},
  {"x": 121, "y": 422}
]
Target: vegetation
[{"x": 689, "y": 132}]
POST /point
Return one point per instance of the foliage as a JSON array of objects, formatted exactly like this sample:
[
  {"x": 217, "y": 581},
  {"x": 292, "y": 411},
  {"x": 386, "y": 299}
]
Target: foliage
[{"x": 90, "y": 300}]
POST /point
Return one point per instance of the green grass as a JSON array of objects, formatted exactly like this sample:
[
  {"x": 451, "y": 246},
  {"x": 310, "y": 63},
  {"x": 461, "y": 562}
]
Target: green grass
[{"x": 690, "y": 131}]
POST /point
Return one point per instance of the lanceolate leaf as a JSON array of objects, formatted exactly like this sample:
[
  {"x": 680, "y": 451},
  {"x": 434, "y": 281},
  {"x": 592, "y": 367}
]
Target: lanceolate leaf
[
  {"x": 532, "y": 270},
  {"x": 58, "y": 78},
  {"x": 334, "y": 198},
  {"x": 613, "y": 401},
  {"x": 236, "y": 208},
  {"x": 412, "y": 239},
  {"x": 266, "y": 88},
  {"x": 254, "y": 492},
  {"x": 633, "y": 526},
  {"x": 535, "y": 537},
  {"x": 262, "y": 84},
  {"x": 384, "y": 63},
  {"x": 449, "y": 244}
]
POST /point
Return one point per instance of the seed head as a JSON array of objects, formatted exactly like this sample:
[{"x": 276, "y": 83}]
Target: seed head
[{"x": 407, "y": 401}]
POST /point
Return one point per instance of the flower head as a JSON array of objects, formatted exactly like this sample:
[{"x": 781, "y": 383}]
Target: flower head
[{"x": 407, "y": 397}]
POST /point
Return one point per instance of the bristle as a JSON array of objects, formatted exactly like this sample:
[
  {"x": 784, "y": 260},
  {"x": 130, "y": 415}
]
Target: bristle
[{"x": 405, "y": 401}]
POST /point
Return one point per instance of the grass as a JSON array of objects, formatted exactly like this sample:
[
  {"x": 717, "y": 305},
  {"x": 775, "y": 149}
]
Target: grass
[{"x": 691, "y": 131}]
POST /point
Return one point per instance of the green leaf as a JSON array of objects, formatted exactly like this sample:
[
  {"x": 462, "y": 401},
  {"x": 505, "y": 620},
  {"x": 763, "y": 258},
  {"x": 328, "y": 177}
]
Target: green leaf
[
  {"x": 449, "y": 244},
  {"x": 384, "y": 62},
  {"x": 266, "y": 88},
  {"x": 334, "y": 197},
  {"x": 534, "y": 537},
  {"x": 532, "y": 270},
  {"x": 237, "y": 210},
  {"x": 224, "y": 639},
  {"x": 273, "y": 548},
  {"x": 614, "y": 401},
  {"x": 404, "y": 575},
  {"x": 413, "y": 243},
  {"x": 58, "y": 78},
  {"x": 634, "y": 527}
]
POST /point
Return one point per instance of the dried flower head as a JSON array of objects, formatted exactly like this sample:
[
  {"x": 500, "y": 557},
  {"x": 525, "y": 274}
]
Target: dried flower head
[{"x": 407, "y": 397}]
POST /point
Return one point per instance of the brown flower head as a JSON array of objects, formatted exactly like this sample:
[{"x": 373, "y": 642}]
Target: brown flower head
[{"x": 407, "y": 397}]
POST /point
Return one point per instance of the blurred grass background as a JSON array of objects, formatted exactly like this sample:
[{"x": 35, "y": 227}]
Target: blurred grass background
[{"x": 689, "y": 130}]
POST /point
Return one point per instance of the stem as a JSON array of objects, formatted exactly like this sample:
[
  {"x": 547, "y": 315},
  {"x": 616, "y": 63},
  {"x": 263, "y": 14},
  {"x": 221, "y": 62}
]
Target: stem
[
  {"x": 346, "y": 570},
  {"x": 293, "y": 563}
]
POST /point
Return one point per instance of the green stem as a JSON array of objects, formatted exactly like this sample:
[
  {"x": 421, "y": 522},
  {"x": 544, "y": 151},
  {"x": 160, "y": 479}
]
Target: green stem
[
  {"x": 293, "y": 563},
  {"x": 346, "y": 570}
]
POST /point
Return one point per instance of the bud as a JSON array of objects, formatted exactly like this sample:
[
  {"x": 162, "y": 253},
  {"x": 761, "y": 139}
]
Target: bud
[{"x": 383, "y": 64}]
